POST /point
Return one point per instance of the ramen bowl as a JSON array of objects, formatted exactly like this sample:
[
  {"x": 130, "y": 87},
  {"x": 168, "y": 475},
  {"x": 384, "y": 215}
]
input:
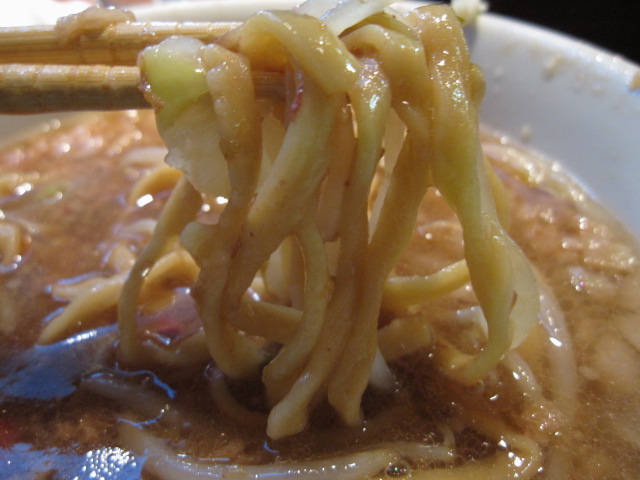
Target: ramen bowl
[{"x": 559, "y": 98}]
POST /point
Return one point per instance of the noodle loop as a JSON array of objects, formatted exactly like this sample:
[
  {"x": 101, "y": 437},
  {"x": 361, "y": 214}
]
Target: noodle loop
[
  {"x": 277, "y": 254},
  {"x": 416, "y": 68}
]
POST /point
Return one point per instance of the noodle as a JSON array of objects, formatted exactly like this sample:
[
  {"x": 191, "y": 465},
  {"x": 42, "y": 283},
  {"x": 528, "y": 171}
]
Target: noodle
[
  {"x": 277, "y": 269},
  {"x": 401, "y": 66},
  {"x": 10, "y": 242},
  {"x": 167, "y": 465}
]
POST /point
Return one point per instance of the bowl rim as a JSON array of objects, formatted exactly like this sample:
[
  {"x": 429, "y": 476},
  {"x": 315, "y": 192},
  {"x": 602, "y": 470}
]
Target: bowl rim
[
  {"x": 583, "y": 104},
  {"x": 595, "y": 91}
]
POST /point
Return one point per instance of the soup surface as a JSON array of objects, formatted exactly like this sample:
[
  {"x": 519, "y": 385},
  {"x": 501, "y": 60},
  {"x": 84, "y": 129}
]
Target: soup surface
[{"x": 75, "y": 211}]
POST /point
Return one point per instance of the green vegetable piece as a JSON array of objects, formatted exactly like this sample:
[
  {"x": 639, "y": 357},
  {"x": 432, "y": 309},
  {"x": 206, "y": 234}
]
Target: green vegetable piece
[{"x": 175, "y": 76}]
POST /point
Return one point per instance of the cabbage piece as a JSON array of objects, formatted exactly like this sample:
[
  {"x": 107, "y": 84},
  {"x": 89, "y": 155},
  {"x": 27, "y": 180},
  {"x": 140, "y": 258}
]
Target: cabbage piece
[{"x": 175, "y": 78}]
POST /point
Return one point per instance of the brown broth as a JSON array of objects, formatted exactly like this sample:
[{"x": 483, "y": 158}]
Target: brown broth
[{"x": 71, "y": 206}]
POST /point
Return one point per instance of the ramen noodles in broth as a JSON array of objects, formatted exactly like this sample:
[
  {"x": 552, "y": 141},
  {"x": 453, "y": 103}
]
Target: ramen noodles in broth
[
  {"x": 68, "y": 195},
  {"x": 83, "y": 397}
]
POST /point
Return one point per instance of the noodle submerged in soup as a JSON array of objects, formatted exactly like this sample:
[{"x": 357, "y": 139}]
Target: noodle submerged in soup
[
  {"x": 272, "y": 307},
  {"x": 572, "y": 386}
]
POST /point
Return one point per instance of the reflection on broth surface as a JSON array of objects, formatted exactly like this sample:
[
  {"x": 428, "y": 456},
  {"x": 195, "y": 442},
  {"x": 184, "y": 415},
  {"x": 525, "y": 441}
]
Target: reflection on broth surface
[{"x": 566, "y": 398}]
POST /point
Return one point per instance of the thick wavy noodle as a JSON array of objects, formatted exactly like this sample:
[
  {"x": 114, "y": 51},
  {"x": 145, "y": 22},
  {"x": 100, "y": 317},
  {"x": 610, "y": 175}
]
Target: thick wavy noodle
[
  {"x": 318, "y": 282},
  {"x": 415, "y": 70}
]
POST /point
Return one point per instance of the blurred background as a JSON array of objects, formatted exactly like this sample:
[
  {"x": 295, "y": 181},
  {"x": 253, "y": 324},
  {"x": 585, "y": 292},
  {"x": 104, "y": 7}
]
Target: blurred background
[{"x": 612, "y": 24}]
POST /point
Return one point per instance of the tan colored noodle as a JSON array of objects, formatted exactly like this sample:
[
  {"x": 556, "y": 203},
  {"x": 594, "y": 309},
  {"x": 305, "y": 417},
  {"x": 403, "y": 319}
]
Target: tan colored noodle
[
  {"x": 417, "y": 67},
  {"x": 316, "y": 211},
  {"x": 287, "y": 218}
]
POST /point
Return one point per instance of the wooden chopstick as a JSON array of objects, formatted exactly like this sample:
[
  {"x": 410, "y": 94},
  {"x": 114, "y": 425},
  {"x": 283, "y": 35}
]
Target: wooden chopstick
[
  {"x": 117, "y": 44},
  {"x": 55, "y": 88},
  {"x": 44, "y": 72},
  {"x": 48, "y": 88}
]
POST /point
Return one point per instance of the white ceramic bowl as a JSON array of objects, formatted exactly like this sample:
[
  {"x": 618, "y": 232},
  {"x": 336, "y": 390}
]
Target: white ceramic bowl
[
  {"x": 569, "y": 101},
  {"x": 558, "y": 96}
]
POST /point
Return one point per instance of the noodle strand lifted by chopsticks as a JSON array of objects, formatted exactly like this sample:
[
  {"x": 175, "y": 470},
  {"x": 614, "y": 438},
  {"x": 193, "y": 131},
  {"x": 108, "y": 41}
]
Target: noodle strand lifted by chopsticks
[
  {"x": 500, "y": 277},
  {"x": 411, "y": 76}
]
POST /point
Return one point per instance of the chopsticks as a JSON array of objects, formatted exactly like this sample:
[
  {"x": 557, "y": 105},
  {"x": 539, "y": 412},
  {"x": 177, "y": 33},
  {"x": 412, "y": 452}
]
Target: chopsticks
[
  {"x": 40, "y": 88},
  {"x": 117, "y": 44},
  {"x": 43, "y": 72}
]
